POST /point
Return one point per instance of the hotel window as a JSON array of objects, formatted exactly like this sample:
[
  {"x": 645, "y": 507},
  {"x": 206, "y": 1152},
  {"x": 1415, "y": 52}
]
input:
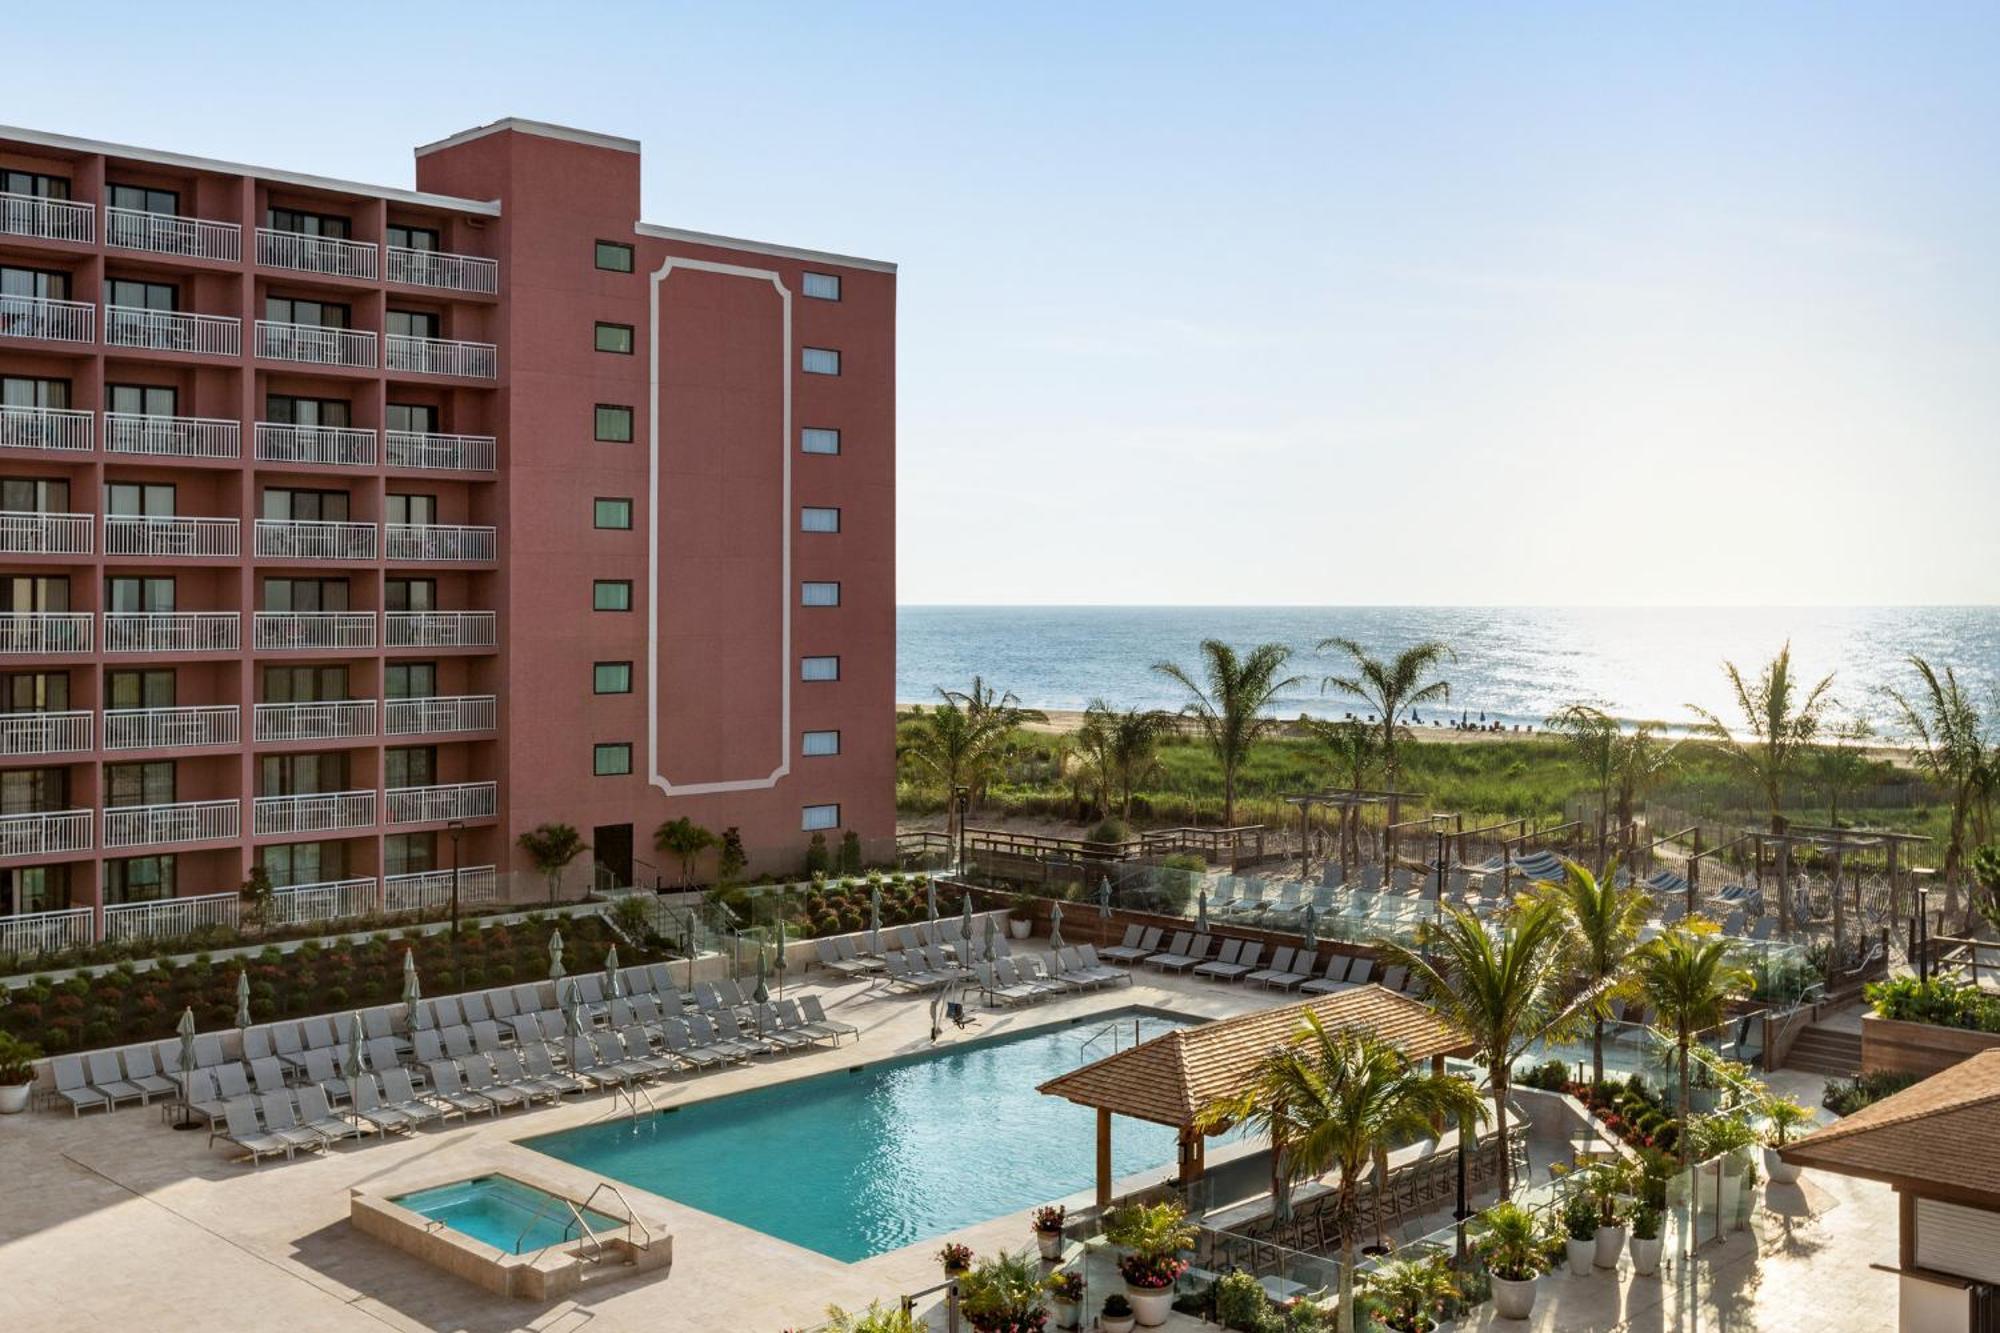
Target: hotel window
[
  {"x": 302, "y": 223},
  {"x": 412, "y": 324},
  {"x": 612, "y": 513},
  {"x": 822, "y": 286},
  {"x": 611, "y": 678},
  {"x": 820, "y": 361},
  {"x": 144, "y": 199},
  {"x": 289, "y": 863},
  {"x": 611, "y": 760},
  {"x": 817, "y": 817},
  {"x": 819, "y": 440},
  {"x": 410, "y": 766},
  {"x": 412, "y": 418},
  {"x": 289, "y": 410},
  {"x": 128, "y": 785},
  {"x": 312, "y": 314},
  {"x": 413, "y": 238},
  {"x": 611, "y": 595},
  {"x": 410, "y": 680},
  {"x": 32, "y": 391},
  {"x": 409, "y": 595},
  {"x": 136, "y": 295},
  {"x": 142, "y": 400},
  {"x": 281, "y": 594},
  {"x": 306, "y": 685},
  {"x": 820, "y": 743},
  {"x": 140, "y": 687},
  {"x": 36, "y": 692},
  {"x": 35, "y": 495},
  {"x": 416, "y": 510},
  {"x": 288, "y": 505},
  {"x": 44, "y": 283},
  {"x": 614, "y": 424},
  {"x": 819, "y": 594},
  {"x": 614, "y": 338},
  {"x": 34, "y": 889},
  {"x": 812, "y": 519},
  {"x": 409, "y": 853},
  {"x": 138, "y": 593},
  {"x": 36, "y": 185},
  {"x": 819, "y": 668},
  {"x": 138, "y": 879},
  {"x": 302, "y": 774},
  {"x": 613, "y": 257}
]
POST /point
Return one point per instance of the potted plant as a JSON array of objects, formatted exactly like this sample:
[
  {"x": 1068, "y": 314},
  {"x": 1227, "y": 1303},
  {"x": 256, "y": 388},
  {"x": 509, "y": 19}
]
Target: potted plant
[
  {"x": 877, "y": 1318},
  {"x": 1646, "y": 1240},
  {"x": 1021, "y": 916},
  {"x": 1579, "y": 1222},
  {"x": 1048, "y": 1224},
  {"x": 1783, "y": 1115},
  {"x": 955, "y": 1259},
  {"x": 1066, "y": 1294},
  {"x": 17, "y": 1073},
  {"x": 1412, "y": 1295},
  {"x": 1153, "y": 1235},
  {"x": 1115, "y": 1315},
  {"x": 1003, "y": 1295},
  {"x": 1608, "y": 1183},
  {"x": 1511, "y": 1244}
]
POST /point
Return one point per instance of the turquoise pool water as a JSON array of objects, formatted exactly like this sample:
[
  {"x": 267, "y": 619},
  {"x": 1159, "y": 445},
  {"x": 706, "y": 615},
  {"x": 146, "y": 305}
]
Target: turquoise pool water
[
  {"x": 857, "y": 1163},
  {"x": 504, "y": 1213}
]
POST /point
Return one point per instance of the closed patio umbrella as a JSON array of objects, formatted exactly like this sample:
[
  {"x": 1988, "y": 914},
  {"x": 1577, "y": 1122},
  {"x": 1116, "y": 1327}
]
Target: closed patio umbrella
[
  {"x": 965, "y": 918},
  {"x": 779, "y": 965},
  {"x": 614, "y": 989},
  {"x": 242, "y": 999},
  {"x": 1104, "y": 897},
  {"x": 760, "y": 992},
  {"x": 184, "y": 1060},
  {"x": 413, "y": 991},
  {"x": 1311, "y": 932},
  {"x": 930, "y": 897},
  {"x": 1201, "y": 911},
  {"x": 555, "y": 956},
  {"x": 1055, "y": 926},
  {"x": 992, "y": 932},
  {"x": 875, "y": 919},
  {"x": 351, "y": 1067},
  {"x": 572, "y": 1008}
]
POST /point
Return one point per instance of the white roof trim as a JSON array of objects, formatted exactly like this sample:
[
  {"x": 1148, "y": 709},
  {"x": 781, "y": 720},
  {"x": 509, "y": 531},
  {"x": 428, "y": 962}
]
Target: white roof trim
[
  {"x": 537, "y": 127},
  {"x": 761, "y": 247},
  {"x": 70, "y": 144}
]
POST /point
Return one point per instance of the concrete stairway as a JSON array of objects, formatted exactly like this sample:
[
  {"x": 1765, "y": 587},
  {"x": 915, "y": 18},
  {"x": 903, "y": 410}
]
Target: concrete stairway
[{"x": 1824, "y": 1049}]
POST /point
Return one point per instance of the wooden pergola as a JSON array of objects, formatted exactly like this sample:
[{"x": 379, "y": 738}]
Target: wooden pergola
[
  {"x": 1347, "y": 802},
  {"x": 1838, "y": 844},
  {"x": 1171, "y": 1079}
]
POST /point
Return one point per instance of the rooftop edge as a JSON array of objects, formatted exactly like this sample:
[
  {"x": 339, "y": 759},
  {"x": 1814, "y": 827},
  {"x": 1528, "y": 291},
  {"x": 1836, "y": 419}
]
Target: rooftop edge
[
  {"x": 687, "y": 237},
  {"x": 540, "y": 128}
]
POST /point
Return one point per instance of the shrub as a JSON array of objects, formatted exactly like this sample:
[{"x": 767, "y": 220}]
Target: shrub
[
  {"x": 1937, "y": 1000},
  {"x": 1845, "y": 1096},
  {"x": 1549, "y": 1076},
  {"x": 1113, "y": 829},
  {"x": 818, "y": 862},
  {"x": 1240, "y": 1301}
]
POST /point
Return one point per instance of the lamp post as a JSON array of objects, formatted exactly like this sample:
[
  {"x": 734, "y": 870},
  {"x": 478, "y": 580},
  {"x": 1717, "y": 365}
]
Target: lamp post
[
  {"x": 455, "y": 827},
  {"x": 961, "y": 799},
  {"x": 1462, "y": 1212},
  {"x": 1923, "y": 932}
]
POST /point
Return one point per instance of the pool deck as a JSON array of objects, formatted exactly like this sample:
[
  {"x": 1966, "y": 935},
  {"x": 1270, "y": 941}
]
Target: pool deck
[{"x": 120, "y": 1221}]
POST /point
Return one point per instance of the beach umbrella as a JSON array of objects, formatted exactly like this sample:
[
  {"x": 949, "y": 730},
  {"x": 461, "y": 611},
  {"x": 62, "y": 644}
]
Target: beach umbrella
[
  {"x": 1104, "y": 897},
  {"x": 1311, "y": 932},
  {"x": 555, "y": 956},
  {"x": 351, "y": 1067},
  {"x": 413, "y": 991},
  {"x": 965, "y": 917},
  {"x": 875, "y": 919},
  {"x": 185, "y": 1061},
  {"x": 991, "y": 933},
  {"x": 1201, "y": 911},
  {"x": 614, "y": 989},
  {"x": 1055, "y": 926},
  {"x": 572, "y": 1009},
  {"x": 242, "y": 999},
  {"x": 931, "y": 901},
  {"x": 760, "y": 992}
]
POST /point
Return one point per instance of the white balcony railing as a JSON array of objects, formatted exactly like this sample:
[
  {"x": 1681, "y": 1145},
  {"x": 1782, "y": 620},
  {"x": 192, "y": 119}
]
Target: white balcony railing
[
  {"x": 58, "y": 429},
  {"x": 438, "y": 543},
  {"x": 334, "y": 719},
  {"x": 45, "y": 733},
  {"x": 315, "y": 344},
  {"x": 47, "y": 318},
  {"x": 430, "y": 890},
  {"x": 439, "y": 453},
  {"x": 45, "y": 834},
  {"x": 47, "y": 219},
  {"x": 435, "y": 268},
  {"x": 23, "y": 533},
  {"x": 172, "y": 631},
  {"x": 185, "y": 728},
  {"x": 313, "y": 813},
  {"x": 30, "y": 934},
  {"x": 183, "y": 821},
  {"x": 169, "y": 918},
  {"x": 440, "y": 715},
  {"x": 328, "y": 900},
  {"x": 441, "y": 629},
  {"x": 65, "y": 632},
  {"x": 324, "y": 446},
  {"x": 315, "y": 254},
  {"x": 455, "y": 800},
  {"x": 440, "y": 356},
  {"x": 283, "y": 630},
  {"x": 169, "y": 234},
  {"x": 159, "y": 535},
  {"x": 171, "y": 437},
  {"x": 314, "y": 539},
  {"x": 173, "y": 331}
]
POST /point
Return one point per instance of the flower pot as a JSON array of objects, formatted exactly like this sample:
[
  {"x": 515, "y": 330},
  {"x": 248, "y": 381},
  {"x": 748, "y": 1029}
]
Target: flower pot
[
  {"x": 1582, "y": 1256},
  {"x": 1610, "y": 1243},
  {"x": 1115, "y": 1323},
  {"x": 1646, "y": 1255},
  {"x": 14, "y": 1100},
  {"x": 1150, "y": 1305},
  {"x": 1050, "y": 1243},
  {"x": 1019, "y": 927},
  {"x": 1513, "y": 1300},
  {"x": 1779, "y": 1171}
]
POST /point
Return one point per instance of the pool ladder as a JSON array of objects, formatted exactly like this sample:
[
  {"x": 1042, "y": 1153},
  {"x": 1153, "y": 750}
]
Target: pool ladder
[
  {"x": 597, "y": 1252},
  {"x": 1111, "y": 1030}
]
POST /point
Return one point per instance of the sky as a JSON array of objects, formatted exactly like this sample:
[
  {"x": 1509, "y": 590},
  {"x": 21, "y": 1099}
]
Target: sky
[{"x": 1275, "y": 304}]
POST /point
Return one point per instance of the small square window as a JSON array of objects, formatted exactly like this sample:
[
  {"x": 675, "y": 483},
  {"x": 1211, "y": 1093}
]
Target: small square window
[
  {"x": 611, "y": 761},
  {"x": 815, "y": 519},
  {"x": 614, "y": 423},
  {"x": 822, "y": 286},
  {"x": 815, "y": 818},
  {"x": 618, "y": 338},
  {"x": 819, "y": 440},
  {"x": 613, "y": 257},
  {"x": 816, "y": 360},
  {"x": 611, "y": 678},
  {"x": 819, "y": 743},
  {"x": 819, "y": 668},
  {"x": 819, "y": 594},
  {"x": 611, "y": 595},
  {"x": 614, "y": 512}
]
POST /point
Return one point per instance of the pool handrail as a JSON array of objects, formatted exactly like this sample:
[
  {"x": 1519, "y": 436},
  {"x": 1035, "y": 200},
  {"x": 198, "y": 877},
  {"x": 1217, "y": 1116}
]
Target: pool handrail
[{"x": 632, "y": 1218}]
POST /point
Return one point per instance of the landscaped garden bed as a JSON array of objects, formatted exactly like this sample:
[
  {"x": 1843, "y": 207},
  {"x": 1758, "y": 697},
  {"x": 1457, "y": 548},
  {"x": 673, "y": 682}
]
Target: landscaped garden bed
[{"x": 1925, "y": 1027}]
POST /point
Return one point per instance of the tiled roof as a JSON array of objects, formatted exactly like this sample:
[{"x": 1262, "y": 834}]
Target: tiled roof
[
  {"x": 1932, "y": 1133},
  {"x": 1169, "y": 1079}
]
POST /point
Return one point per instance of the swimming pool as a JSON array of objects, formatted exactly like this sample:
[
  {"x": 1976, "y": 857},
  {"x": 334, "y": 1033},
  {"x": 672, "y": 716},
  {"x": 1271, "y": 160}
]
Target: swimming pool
[
  {"x": 504, "y": 1213},
  {"x": 860, "y": 1162}
]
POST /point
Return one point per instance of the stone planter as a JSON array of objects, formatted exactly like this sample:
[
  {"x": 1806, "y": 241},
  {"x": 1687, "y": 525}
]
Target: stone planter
[
  {"x": 1513, "y": 1300},
  {"x": 1115, "y": 1323},
  {"x": 1050, "y": 1243},
  {"x": 1066, "y": 1314},
  {"x": 14, "y": 1100},
  {"x": 1019, "y": 927},
  {"x": 1779, "y": 1171},
  {"x": 1646, "y": 1255},
  {"x": 1150, "y": 1305},
  {"x": 1923, "y": 1049},
  {"x": 1582, "y": 1256},
  {"x": 1610, "y": 1244}
]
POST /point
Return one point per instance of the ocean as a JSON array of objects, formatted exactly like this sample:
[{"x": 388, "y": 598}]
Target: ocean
[{"x": 1515, "y": 665}]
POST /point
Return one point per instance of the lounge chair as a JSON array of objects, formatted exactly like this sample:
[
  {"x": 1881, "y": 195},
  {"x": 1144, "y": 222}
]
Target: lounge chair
[
  {"x": 674, "y": 1036},
  {"x": 1090, "y": 959},
  {"x": 996, "y": 990},
  {"x": 810, "y": 1006},
  {"x": 257, "y": 1043},
  {"x": 316, "y": 1114},
  {"x": 1138, "y": 943},
  {"x": 371, "y": 1110},
  {"x": 401, "y": 1096},
  {"x": 584, "y": 1062},
  {"x": 109, "y": 1079},
  {"x": 639, "y": 1051},
  {"x": 849, "y": 949},
  {"x": 286, "y": 1044},
  {"x": 1174, "y": 952},
  {"x": 1334, "y": 978},
  {"x": 729, "y": 1030},
  {"x": 267, "y": 1075},
  {"x": 1032, "y": 970},
  {"x": 203, "y": 1101},
  {"x": 473, "y": 1006},
  {"x": 319, "y": 1069},
  {"x": 142, "y": 1072},
  {"x": 508, "y": 1071},
  {"x": 447, "y": 1087},
  {"x": 1224, "y": 969},
  {"x": 536, "y": 1063},
  {"x": 1281, "y": 965},
  {"x": 281, "y": 1121},
  {"x": 1225, "y": 957},
  {"x": 528, "y": 998},
  {"x": 381, "y": 1053},
  {"x": 788, "y": 1014},
  {"x": 1009, "y": 972},
  {"x": 317, "y": 1031},
  {"x": 771, "y": 1026},
  {"x": 243, "y": 1130},
  {"x": 446, "y": 1013},
  {"x": 1197, "y": 952},
  {"x": 482, "y": 1081},
  {"x": 457, "y": 1042},
  {"x": 231, "y": 1081},
  {"x": 73, "y": 1086},
  {"x": 500, "y": 1003},
  {"x": 486, "y": 1035},
  {"x": 1396, "y": 978},
  {"x": 375, "y": 1026}
]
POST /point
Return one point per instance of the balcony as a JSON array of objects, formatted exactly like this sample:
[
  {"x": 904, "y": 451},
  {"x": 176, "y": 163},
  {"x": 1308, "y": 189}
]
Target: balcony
[
  {"x": 431, "y": 890},
  {"x": 34, "y": 633},
  {"x": 172, "y": 631},
  {"x": 437, "y": 543},
  {"x": 284, "y": 631},
  {"x": 321, "y": 446},
  {"x": 183, "y": 821},
  {"x": 314, "y": 813},
  {"x": 329, "y": 720},
  {"x": 23, "y": 734},
  {"x": 315, "y": 254},
  {"x": 433, "y": 805},
  {"x": 170, "y": 234},
  {"x": 171, "y": 437},
  {"x": 441, "y": 629},
  {"x": 24, "y": 533},
  {"x": 172, "y": 331},
  {"x": 55, "y": 429},
  {"x": 314, "y": 539},
  {"x": 47, "y": 219},
  {"x": 160, "y": 536},
  {"x": 446, "y": 272},
  {"x": 325, "y": 900},
  {"x": 187, "y": 728},
  {"x": 48, "y": 319},
  {"x": 440, "y": 453},
  {"x": 441, "y": 356},
  {"x": 440, "y": 715},
  {"x": 45, "y": 834},
  {"x": 315, "y": 344}
]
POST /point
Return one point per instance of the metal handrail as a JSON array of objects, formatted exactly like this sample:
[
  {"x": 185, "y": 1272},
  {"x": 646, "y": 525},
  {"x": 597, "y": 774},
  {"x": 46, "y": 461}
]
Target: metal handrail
[
  {"x": 632, "y": 1218},
  {"x": 540, "y": 1212}
]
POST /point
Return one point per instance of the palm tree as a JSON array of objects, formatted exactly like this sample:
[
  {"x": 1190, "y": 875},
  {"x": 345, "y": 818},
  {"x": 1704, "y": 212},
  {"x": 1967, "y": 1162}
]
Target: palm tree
[
  {"x": 1392, "y": 689},
  {"x": 1687, "y": 982},
  {"x": 1638, "y": 762},
  {"x": 964, "y": 739},
  {"x": 1602, "y": 922},
  {"x": 1122, "y": 749},
  {"x": 551, "y": 847},
  {"x": 1592, "y": 734},
  {"x": 1950, "y": 746},
  {"x": 1504, "y": 993},
  {"x": 1842, "y": 766},
  {"x": 1332, "y": 1101},
  {"x": 1351, "y": 744},
  {"x": 683, "y": 838},
  {"x": 1782, "y": 721},
  {"x": 1228, "y": 704}
]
